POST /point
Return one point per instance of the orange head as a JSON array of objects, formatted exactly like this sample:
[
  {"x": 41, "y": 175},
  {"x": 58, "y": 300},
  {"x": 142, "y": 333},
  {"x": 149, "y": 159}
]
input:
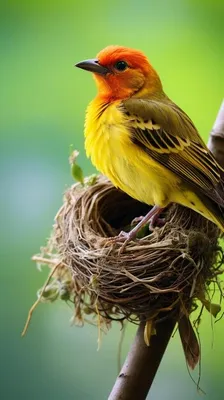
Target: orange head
[{"x": 121, "y": 72}]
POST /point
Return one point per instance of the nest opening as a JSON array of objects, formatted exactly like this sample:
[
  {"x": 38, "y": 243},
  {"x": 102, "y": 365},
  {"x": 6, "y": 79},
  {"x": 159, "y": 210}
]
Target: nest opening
[{"x": 161, "y": 273}]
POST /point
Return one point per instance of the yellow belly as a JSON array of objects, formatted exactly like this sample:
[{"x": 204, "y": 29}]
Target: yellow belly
[{"x": 111, "y": 150}]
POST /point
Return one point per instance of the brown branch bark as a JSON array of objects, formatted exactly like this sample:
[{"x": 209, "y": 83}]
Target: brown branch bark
[
  {"x": 142, "y": 362},
  {"x": 216, "y": 140}
]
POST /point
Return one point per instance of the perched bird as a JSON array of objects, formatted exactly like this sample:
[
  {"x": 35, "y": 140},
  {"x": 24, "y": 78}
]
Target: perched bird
[{"x": 144, "y": 143}]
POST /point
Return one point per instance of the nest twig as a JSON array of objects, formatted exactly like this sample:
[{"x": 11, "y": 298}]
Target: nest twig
[{"x": 158, "y": 275}]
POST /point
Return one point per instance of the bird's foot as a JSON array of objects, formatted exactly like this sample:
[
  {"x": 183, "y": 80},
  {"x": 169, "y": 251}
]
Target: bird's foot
[
  {"x": 123, "y": 237},
  {"x": 126, "y": 237},
  {"x": 136, "y": 220},
  {"x": 153, "y": 223}
]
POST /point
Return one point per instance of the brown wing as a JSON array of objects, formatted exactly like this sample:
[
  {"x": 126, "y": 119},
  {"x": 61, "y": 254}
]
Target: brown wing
[{"x": 167, "y": 135}]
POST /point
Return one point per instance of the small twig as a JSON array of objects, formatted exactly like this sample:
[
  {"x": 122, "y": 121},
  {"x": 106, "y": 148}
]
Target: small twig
[
  {"x": 44, "y": 260},
  {"x": 38, "y": 300},
  {"x": 142, "y": 362}
]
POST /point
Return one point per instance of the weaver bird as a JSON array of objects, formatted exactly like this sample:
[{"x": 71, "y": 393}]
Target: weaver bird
[{"x": 144, "y": 143}]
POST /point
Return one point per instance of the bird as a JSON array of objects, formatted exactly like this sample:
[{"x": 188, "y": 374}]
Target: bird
[{"x": 144, "y": 143}]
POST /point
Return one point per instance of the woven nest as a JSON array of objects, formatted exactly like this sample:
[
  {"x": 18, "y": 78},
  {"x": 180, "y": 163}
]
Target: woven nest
[{"x": 159, "y": 274}]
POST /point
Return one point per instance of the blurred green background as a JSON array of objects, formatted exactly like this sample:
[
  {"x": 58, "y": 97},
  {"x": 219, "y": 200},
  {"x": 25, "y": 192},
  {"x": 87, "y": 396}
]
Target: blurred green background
[{"x": 43, "y": 101}]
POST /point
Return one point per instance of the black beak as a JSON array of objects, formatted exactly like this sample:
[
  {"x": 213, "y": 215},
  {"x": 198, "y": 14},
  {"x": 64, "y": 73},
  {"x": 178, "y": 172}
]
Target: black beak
[{"x": 93, "y": 65}]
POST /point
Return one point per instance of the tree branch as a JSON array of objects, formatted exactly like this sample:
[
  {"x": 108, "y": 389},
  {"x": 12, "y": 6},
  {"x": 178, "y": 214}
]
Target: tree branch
[
  {"x": 142, "y": 362},
  {"x": 216, "y": 140}
]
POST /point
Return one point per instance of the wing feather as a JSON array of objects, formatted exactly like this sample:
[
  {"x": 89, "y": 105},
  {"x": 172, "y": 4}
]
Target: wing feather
[{"x": 167, "y": 135}]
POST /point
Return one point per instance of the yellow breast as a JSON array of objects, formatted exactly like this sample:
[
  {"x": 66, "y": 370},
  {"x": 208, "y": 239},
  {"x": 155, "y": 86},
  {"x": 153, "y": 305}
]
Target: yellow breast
[{"x": 108, "y": 144}]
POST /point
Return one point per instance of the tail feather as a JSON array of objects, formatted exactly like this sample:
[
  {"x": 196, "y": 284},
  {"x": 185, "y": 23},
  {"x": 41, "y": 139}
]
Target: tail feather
[
  {"x": 219, "y": 215},
  {"x": 215, "y": 210}
]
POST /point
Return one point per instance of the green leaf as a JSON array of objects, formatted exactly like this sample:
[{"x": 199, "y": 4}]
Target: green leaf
[
  {"x": 91, "y": 180},
  {"x": 77, "y": 173},
  {"x": 76, "y": 170}
]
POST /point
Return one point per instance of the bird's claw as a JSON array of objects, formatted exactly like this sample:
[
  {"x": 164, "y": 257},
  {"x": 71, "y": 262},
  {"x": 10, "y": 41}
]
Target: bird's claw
[
  {"x": 136, "y": 220},
  {"x": 126, "y": 237},
  {"x": 123, "y": 237},
  {"x": 155, "y": 222}
]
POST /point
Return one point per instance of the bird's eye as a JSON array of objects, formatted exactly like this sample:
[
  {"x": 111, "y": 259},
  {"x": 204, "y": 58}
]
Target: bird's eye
[{"x": 121, "y": 65}]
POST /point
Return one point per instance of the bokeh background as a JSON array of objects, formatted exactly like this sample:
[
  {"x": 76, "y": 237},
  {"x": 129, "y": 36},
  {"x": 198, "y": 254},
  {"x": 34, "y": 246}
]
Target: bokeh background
[{"x": 43, "y": 100}]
